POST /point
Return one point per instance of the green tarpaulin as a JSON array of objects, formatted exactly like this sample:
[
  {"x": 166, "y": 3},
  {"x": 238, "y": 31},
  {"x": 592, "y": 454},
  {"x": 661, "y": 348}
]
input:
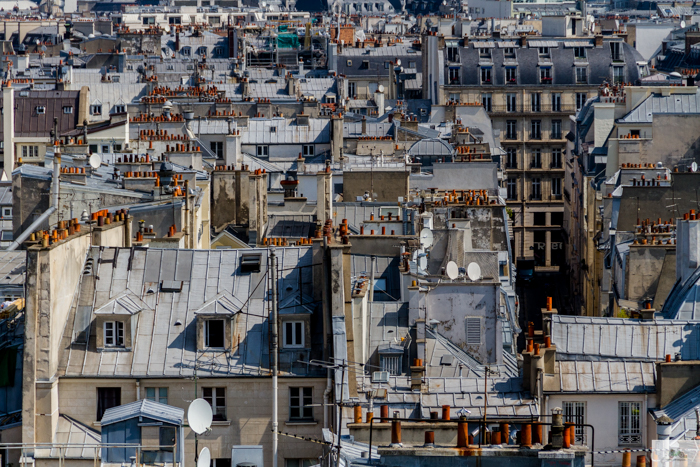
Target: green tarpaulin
[{"x": 287, "y": 41}]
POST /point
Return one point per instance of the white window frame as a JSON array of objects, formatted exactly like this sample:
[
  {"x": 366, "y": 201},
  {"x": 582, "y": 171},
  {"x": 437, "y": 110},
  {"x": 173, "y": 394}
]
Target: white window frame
[
  {"x": 629, "y": 425},
  {"x": 556, "y": 186},
  {"x": 41, "y": 109},
  {"x": 113, "y": 333},
  {"x": 296, "y": 339},
  {"x": 511, "y": 102},
  {"x": 7, "y": 212},
  {"x": 215, "y": 394},
  {"x": 262, "y": 150},
  {"x": 474, "y": 330},
  {"x": 581, "y": 75},
  {"x": 512, "y": 188},
  {"x": 96, "y": 109},
  {"x": 581, "y": 98},
  {"x": 67, "y": 109}
]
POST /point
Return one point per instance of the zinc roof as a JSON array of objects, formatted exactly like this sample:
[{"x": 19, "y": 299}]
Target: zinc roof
[
  {"x": 656, "y": 104},
  {"x": 286, "y": 131},
  {"x": 606, "y": 377},
  {"x": 144, "y": 408}
]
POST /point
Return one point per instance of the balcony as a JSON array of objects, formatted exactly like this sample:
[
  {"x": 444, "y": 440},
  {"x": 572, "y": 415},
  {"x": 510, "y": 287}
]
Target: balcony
[
  {"x": 528, "y": 109},
  {"x": 545, "y": 80}
]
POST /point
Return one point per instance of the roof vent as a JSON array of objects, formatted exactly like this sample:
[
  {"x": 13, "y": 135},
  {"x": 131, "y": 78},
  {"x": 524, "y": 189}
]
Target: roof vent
[
  {"x": 171, "y": 286},
  {"x": 250, "y": 263}
]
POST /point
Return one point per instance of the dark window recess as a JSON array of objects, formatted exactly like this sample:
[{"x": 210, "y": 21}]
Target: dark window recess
[
  {"x": 300, "y": 400},
  {"x": 171, "y": 286},
  {"x": 106, "y": 399},
  {"x": 214, "y": 333},
  {"x": 557, "y": 218},
  {"x": 167, "y": 438},
  {"x": 539, "y": 218},
  {"x": 250, "y": 263}
]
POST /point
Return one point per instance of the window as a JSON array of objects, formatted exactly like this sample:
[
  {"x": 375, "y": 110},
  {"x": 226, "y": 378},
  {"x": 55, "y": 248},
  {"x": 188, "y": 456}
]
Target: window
[
  {"x": 114, "y": 333},
  {"x": 511, "y": 75},
  {"x": 411, "y": 64},
  {"x": 580, "y": 53},
  {"x": 473, "y": 330},
  {"x": 556, "y": 186},
  {"x": 119, "y": 109},
  {"x": 174, "y": 20},
  {"x": 545, "y": 75},
  {"x": 159, "y": 395},
  {"x": 273, "y": 129},
  {"x": 509, "y": 52},
  {"x": 454, "y": 76},
  {"x": 214, "y": 20},
  {"x": 452, "y": 54},
  {"x": 308, "y": 149},
  {"x": 618, "y": 74},
  {"x": 616, "y": 51},
  {"x": 484, "y": 52},
  {"x": 300, "y": 400},
  {"x": 218, "y": 51},
  {"x": 40, "y": 109},
  {"x": 392, "y": 364},
  {"x": 68, "y": 109},
  {"x": 386, "y": 65},
  {"x": 539, "y": 219},
  {"x": 512, "y": 187},
  {"x": 187, "y": 51},
  {"x": 217, "y": 147},
  {"x": 348, "y": 63},
  {"x": 511, "y": 158},
  {"x": 455, "y": 97},
  {"x": 96, "y": 109},
  {"x": 556, "y": 102},
  {"x": 629, "y": 423},
  {"x": 535, "y": 102},
  {"x": 543, "y": 51},
  {"x": 486, "y": 102},
  {"x": 201, "y": 51},
  {"x": 536, "y": 188},
  {"x": 7, "y": 236},
  {"x": 293, "y": 334},
  {"x": 93, "y": 148},
  {"x": 7, "y": 212},
  {"x": 117, "y": 147},
  {"x": 512, "y": 102},
  {"x": 575, "y": 412},
  {"x": 262, "y": 151},
  {"x": 217, "y": 399},
  {"x": 106, "y": 399},
  {"x": 556, "y": 158},
  {"x": 485, "y": 75},
  {"x": 511, "y": 129},
  {"x": 581, "y": 75},
  {"x": 535, "y": 129},
  {"x": 149, "y": 20},
  {"x": 105, "y": 148},
  {"x": 556, "y": 129},
  {"x": 352, "y": 90},
  {"x": 114, "y": 79},
  {"x": 581, "y": 98},
  {"x": 536, "y": 159},
  {"x": 214, "y": 333},
  {"x": 30, "y": 151}
]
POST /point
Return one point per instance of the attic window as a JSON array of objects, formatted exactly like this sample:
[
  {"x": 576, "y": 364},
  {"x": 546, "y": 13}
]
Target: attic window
[
  {"x": 40, "y": 109},
  {"x": 114, "y": 334},
  {"x": 273, "y": 129},
  {"x": 68, "y": 109},
  {"x": 250, "y": 263},
  {"x": 171, "y": 286},
  {"x": 214, "y": 333}
]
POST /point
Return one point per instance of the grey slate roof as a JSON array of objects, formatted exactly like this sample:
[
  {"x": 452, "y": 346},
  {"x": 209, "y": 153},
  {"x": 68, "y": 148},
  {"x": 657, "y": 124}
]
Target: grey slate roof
[
  {"x": 656, "y": 104},
  {"x": 144, "y": 408}
]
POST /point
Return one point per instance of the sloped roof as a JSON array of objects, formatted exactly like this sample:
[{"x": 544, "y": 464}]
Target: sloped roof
[
  {"x": 605, "y": 377},
  {"x": 431, "y": 147},
  {"x": 656, "y": 104},
  {"x": 126, "y": 303},
  {"x": 144, "y": 408}
]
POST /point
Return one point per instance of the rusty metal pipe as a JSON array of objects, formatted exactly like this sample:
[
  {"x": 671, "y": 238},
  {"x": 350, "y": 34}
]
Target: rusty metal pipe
[{"x": 462, "y": 432}]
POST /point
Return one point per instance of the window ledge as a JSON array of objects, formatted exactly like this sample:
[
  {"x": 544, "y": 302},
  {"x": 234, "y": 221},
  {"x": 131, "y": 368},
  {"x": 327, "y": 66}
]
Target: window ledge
[
  {"x": 221, "y": 423},
  {"x": 300, "y": 422}
]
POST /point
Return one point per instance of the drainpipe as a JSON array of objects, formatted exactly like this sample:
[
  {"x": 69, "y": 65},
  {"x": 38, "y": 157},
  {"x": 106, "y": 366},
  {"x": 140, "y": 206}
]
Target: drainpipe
[
  {"x": 138, "y": 389},
  {"x": 326, "y": 398},
  {"x": 54, "y": 203}
]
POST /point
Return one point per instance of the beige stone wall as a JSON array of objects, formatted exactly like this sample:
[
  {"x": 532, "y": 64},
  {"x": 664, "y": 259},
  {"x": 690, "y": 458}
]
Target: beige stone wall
[{"x": 248, "y": 407}]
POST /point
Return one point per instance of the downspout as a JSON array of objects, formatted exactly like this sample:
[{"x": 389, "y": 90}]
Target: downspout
[
  {"x": 54, "y": 204},
  {"x": 326, "y": 398}
]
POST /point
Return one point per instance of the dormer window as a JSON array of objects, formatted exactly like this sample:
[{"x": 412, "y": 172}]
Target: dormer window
[
  {"x": 293, "y": 334},
  {"x": 40, "y": 110},
  {"x": 543, "y": 51},
  {"x": 214, "y": 333},
  {"x": 114, "y": 334},
  {"x": 215, "y": 322}
]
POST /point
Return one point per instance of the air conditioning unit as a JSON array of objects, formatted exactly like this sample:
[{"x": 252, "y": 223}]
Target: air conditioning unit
[{"x": 380, "y": 377}]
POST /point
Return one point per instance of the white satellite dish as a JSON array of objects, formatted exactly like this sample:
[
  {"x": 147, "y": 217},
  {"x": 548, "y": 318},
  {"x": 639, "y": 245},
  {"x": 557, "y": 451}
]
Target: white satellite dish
[
  {"x": 474, "y": 272},
  {"x": 423, "y": 262},
  {"x": 682, "y": 24},
  {"x": 204, "y": 458},
  {"x": 452, "y": 270},
  {"x": 380, "y": 88},
  {"x": 95, "y": 161},
  {"x": 694, "y": 166},
  {"x": 200, "y": 416},
  {"x": 398, "y": 62},
  {"x": 426, "y": 238}
]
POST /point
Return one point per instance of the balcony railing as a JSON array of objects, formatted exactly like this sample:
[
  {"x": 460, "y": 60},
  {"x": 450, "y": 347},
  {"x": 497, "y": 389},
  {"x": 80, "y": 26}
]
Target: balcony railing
[{"x": 519, "y": 108}]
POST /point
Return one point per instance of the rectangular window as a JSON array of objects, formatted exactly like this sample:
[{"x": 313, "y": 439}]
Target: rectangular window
[
  {"x": 262, "y": 151},
  {"x": 618, "y": 74},
  {"x": 392, "y": 364},
  {"x": 453, "y": 76},
  {"x": 452, "y": 54},
  {"x": 293, "y": 334},
  {"x": 536, "y": 159},
  {"x": 455, "y": 97},
  {"x": 581, "y": 98},
  {"x": 308, "y": 150},
  {"x": 543, "y": 51},
  {"x": 556, "y": 158},
  {"x": 511, "y": 129},
  {"x": 473, "y": 330},
  {"x": 536, "y": 189},
  {"x": 486, "y": 75},
  {"x": 149, "y": 20},
  {"x": 67, "y": 109},
  {"x": 352, "y": 90},
  {"x": 214, "y": 333},
  {"x": 7, "y": 213},
  {"x": 114, "y": 334},
  {"x": 556, "y": 102},
  {"x": 535, "y": 129},
  {"x": 386, "y": 65},
  {"x": 106, "y": 399},
  {"x": 511, "y": 158},
  {"x": 575, "y": 412},
  {"x": 96, "y": 109},
  {"x": 511, "y": 102},
  {"x": 300, "y": 400},
  {"x": 174, "y": 20},
  {"x": 114, "y": 78},
  {"x": 217, "y": 399},
  {"x": 512, "y": 187},
  {"x": 580, "y": 53},
  {"x": 616, "y": 51},
  {"x": 159, "y": 395},
  {"x": 484, "y": 52},
  {"x": 629, "y": 423},
  {"x": 217, "y": 147},
  {"x": 105, "y": 148},
  {"x": 511, "y": 75},
  {"x": 218, "y": 51},
  {"x": 581, "y": 75},
  {"x": 556, "y": 187},
  {"x": 535, "y": 102},
  {"x": 556, "y": 129},
  {"x": 412, "y": 65},
  {"x": 40, "y": 109},
  {"x": 486, "y": 102},
  {"x": 546, "y": 75}
]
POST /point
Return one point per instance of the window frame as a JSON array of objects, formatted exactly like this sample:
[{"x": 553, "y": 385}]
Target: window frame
[
  {"x": 575, "y": 412},
  {"x": 556, "y": 132},
  {"x": 487, "y": 101},
  {"x": 581, "y": 74},
  {"x": 262, "y": 150},
  {"x": 308, "y": 150},
  {"x": 511, "y": 102},
  {"x": 303, "y": 404},
  {"x": 115, "y": 340},
  {"x": 512, "y": 189},
  {"x": 511, "y": 75},
  {"x": 214, "y": 397},
  {"x": 556, "y": 186},
  {"x": 298, "y": 338},
  {"x": 157, "y": 394},
  {"x": 511, "y": 125},
  {"x": 536, "y": 129},
  {"x": 536, "y": 188},
  {"x": 511, "y": 157},
  {"x": 630, "y": 432},
  {"x": 486, "y": 75}
]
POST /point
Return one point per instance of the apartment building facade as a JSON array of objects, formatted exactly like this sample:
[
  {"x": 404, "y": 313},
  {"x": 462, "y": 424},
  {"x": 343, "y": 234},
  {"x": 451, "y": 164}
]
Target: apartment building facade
[{"x": 530, "y": 86}]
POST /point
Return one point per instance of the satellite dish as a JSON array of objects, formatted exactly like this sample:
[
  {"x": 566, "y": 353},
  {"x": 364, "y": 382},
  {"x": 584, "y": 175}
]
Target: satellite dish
[
  {"x": 474, "y": 272},
  {"x": 398, "y": 62},
  {"x": 204, "y": 458},
  {"x": 380, "y": 88},
  {"x": 200, "y": 416},
  {"x": 423, "y": 262},
  {"x": 95, "y": 161},
  {"x": 452, "y": 270},
  {"x": 682, "y": 24},
  {"x": 675, "y": 74},
  {"x": 694, "y": 166},
  {"x": 426, "y": 238}
]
